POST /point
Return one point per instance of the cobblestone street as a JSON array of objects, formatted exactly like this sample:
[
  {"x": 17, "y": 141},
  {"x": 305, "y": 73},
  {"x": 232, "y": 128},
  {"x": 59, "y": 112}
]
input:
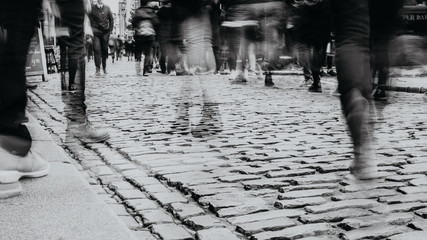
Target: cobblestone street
[{"x": 196, "y": 157}]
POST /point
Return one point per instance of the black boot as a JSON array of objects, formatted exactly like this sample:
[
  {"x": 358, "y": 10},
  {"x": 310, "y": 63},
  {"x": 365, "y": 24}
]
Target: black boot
[{"x": 268, "y": 79}]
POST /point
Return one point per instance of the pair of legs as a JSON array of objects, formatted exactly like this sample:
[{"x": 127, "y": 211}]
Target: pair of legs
[
  {"x": 353, "y": 30},
  {"x": 100, "y": 49},
  {"x": 16, "y": 158},
  {"x": 311, "y": 54},
  {"x": 143, "y": 47},
  {"x": 257, "y": 22}
]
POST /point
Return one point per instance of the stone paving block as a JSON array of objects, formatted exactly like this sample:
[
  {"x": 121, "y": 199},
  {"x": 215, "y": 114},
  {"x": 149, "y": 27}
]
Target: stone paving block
[
  {"x": 156, "y": 188},
  {"x": 421, "y": 181},
  {"x": 166, "y": 198},
  {"x": 333, "y": 216},
  {"x": 418, "y": 224},
  {"x": 334, "y": 167},
  {"x": 185, "y": 210},
  {"x": 143, "y": 181},
  {"x": 404, "y": 178},
  {"x": 273, "y": 224},
  {"x": 133, "y": 173},
  {"x": 414, "y": 169},
  {"x": 238, "y": 178},
  {"x": 122, "y": 185},
  {"x": 155, "y": 217},
  {"x": 402, "y": 207},
  {"x": 260, "y": 170},
  {"x": 261, "y": 216},
  {"x": 274, "y": 183},
  {"x": 224, "y": 200},
  {"x": 309, "y": 187},
  {"x": 367, "y": 221},
  {"x": 301, "y": 231},
  {"x": 199, "y": 193},
  {"x": 141, "y": 204},
  {"x": 422, "y": 213},
  {"x": 415, "y": 235},
  {"x": 316, "y": 179},
  {"x": 130, "y": 194},
  {"x": 124, "y": 167},
  {"x": 300, "y": 202},
  {"x": 306, "y": 193},
  {"x": 171, "y": 232},
  {"x": 144, "y": 235},
  {"x": 400, "y": 198},
  {"x": 373, "y": 185},
  {"x": 215, "y": 234},
  {"x": 413, "y": 190},
  {"x": 203, "y": 222},
  {"x": 379, "y": 231},
  {"x": 102, "y": 171},
  {"x": 364, "y": 194},
  {"x": 251, "y": 206},
  {"x": 324, "y": 237},
  {"x": 290, "y": 173},
  {"x": 333, "y": 206}
]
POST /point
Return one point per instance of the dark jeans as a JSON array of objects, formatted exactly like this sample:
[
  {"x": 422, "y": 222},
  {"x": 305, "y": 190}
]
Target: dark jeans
[
  {"x": 311, "y": 58},
  {"x": 353, "y": 31},
  {"x": 73, "y": 47},
  {"x": 144, "y": 47},
  {"x": 100, "y": 49},
  {"x": 18, "y": 17}
]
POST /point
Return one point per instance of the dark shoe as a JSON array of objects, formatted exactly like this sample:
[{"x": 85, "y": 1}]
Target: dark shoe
[
  {"x": 380, "y": 95},
  {"x": 323, "y": 74},
  {"x": 31, "y": 86},
  {"x": 332, "y": 73},
  {"x": 144, "y": 73},
  {"x": 315, "y": 87},
  {"x": 98, "y": 72},
  {"x": 268, "y": 80},
  {"x": 105, "y": 71}
]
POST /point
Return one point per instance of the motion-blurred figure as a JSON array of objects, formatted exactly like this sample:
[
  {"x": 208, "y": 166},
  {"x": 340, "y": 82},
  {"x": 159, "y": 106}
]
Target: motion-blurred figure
[
  {"x": 71, "y": 14},
  {"x": 352, "y": 28},
  {"x": 102, "y": 22},
  {"x": 145, "y": 22},
  {"x": 18, "y": 20}
]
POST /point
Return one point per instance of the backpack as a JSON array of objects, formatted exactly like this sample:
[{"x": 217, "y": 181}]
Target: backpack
[{"x": 145, "y": 28}]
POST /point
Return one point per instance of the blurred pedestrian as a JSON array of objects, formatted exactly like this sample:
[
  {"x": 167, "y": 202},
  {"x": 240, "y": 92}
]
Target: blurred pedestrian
[
  {"x": 164, "y": 15},
  {"x": 71, "y": 14},
  {"x": 313, "y": 25},
  {"x": 145, "y": 22},
  {"x": 259, "y": 21},
  {"x": 18, "y": 20},
  {"x": 352, "y": 30},
  {"x": 102, "y": 23}
]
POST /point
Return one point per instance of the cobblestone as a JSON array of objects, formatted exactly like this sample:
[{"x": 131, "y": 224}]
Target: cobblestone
[{"x": 177, "y": 138}]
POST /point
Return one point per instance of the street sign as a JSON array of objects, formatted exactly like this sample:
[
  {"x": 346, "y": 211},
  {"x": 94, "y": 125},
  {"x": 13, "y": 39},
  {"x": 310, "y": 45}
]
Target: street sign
[{"x": 36, "y": 57}]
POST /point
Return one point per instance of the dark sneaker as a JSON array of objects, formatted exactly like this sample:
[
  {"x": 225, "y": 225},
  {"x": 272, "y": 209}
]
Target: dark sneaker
[
  {"x": 380, "y": 95},
  {"x": 98, "y": 72},
  {"x": 105, "y": 71},
  {"x": 315, "y": 87},
  {"x": 332, "y": 73},
  {"x": 323, "y": 74}
]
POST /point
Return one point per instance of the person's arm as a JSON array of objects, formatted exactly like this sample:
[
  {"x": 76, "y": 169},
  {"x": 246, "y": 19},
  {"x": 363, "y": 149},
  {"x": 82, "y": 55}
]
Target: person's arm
[{"x": 110, "y": 17}]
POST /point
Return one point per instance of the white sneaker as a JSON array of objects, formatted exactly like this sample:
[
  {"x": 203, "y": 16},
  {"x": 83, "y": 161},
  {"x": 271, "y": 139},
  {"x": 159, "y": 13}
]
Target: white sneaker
[
  {"x": 15, "y": 167},
  {"x": 87, "y": 134},
  {"x": 172, "y": 73}
]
